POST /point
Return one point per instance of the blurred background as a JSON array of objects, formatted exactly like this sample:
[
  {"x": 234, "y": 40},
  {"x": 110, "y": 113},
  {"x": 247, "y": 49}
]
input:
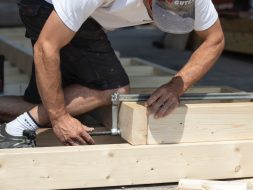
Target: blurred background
[{"x": 234, "y": 68}]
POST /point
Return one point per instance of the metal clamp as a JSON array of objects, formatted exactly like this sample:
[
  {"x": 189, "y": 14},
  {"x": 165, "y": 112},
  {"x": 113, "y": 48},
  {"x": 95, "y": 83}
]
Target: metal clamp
[
  {"x": 118, "y": 98},
  {"x": 115, "y": 114}
]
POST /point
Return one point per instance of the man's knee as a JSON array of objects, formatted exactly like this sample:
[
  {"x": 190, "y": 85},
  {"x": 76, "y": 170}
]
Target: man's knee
[
  {"x": 107, "y": 94},
  {"x": 123, "y": 90}
]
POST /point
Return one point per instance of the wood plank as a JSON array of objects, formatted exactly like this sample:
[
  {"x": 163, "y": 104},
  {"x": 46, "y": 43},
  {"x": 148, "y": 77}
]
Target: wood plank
[
  {"x": 186, "y": 184},
  {"x": 203, "y": 123},
  {"x": 207, "y": 122},
  {"x": 117, "y": 165},
  {"x": 104, "y": 114}
]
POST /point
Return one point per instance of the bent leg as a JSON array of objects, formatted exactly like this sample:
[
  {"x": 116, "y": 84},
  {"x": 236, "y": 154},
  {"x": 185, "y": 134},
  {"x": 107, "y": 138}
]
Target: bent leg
[{"x": 79, "y": 100}]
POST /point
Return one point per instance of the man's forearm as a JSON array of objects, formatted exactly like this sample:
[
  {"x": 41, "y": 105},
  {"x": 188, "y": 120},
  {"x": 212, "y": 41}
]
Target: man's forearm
[
  {"x": 199, "y": 64},
  {"x": 48, "y": 78}
]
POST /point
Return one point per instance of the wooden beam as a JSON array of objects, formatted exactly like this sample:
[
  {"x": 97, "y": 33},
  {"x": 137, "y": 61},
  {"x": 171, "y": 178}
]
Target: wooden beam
[
  {"x": 186, "y": 184},
  {"x": 123, "y": 164},
  {"x": 104, "y": 114},
  {"x": 203, "y": 123},
  {"x": 207, "y": 122}
]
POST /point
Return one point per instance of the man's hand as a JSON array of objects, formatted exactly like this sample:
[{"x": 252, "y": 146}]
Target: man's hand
[
  {"x": 71, "y": 132},
  {"x": 163, "y": 101}
]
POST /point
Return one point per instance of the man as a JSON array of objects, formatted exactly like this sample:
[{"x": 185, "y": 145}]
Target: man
[{"x": 76, "y": 69}]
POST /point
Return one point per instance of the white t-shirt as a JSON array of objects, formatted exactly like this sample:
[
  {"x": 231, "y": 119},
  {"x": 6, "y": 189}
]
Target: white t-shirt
[{"x": 112, "y": 14}]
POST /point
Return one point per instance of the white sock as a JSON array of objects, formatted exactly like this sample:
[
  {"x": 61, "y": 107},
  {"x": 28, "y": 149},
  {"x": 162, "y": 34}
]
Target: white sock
[{"x": 21, "y": 123}]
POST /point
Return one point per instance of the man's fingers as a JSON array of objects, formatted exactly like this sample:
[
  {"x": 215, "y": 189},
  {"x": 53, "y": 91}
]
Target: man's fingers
[
  {"x": 152, "y": 109},
  {"x": 166, "y": 109},
  {"x": 79, "y": 140},
  {"x": 154, "y": 97},
  {"x": 156, "y": 106},
  {"x": 87, "y": 138},
  {"x": 71, "y": 143}
]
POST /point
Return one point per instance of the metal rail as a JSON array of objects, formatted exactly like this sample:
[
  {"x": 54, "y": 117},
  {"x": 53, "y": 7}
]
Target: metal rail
[{"x": 186, "y": 97}]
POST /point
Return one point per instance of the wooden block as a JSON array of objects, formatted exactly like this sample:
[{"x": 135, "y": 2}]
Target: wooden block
[
  {"x": 207, "y": 122},
  {"x": 211, "y": 185},
  {"x": 203, "y": 123},
  {"x": 123, "y": 164},
  {"x": 133, "y": 125}
]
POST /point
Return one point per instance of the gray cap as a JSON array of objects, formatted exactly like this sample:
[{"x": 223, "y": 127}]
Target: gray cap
[{"x": 174, "y": 16}]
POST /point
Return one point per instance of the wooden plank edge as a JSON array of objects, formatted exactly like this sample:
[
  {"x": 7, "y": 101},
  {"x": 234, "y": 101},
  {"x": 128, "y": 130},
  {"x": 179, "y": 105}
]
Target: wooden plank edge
[
  {"x": 120, "y": 165},
  {"x": 195, "y": 184}
]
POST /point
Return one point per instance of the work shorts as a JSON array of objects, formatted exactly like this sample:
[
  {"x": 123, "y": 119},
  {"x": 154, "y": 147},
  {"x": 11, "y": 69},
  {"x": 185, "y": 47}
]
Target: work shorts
[{"x": 88, "y": 60}]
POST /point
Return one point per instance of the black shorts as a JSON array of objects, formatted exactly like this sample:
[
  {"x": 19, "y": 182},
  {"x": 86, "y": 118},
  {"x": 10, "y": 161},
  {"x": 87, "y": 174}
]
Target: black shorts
[{"x": 88, "y": 59}]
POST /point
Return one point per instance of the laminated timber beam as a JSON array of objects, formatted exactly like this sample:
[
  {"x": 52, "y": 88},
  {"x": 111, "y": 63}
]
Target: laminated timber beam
[
  {"x": 123, "y": 164},
  {"x": 193, "y": 122},
  {"x": 104, "y": 114}
]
